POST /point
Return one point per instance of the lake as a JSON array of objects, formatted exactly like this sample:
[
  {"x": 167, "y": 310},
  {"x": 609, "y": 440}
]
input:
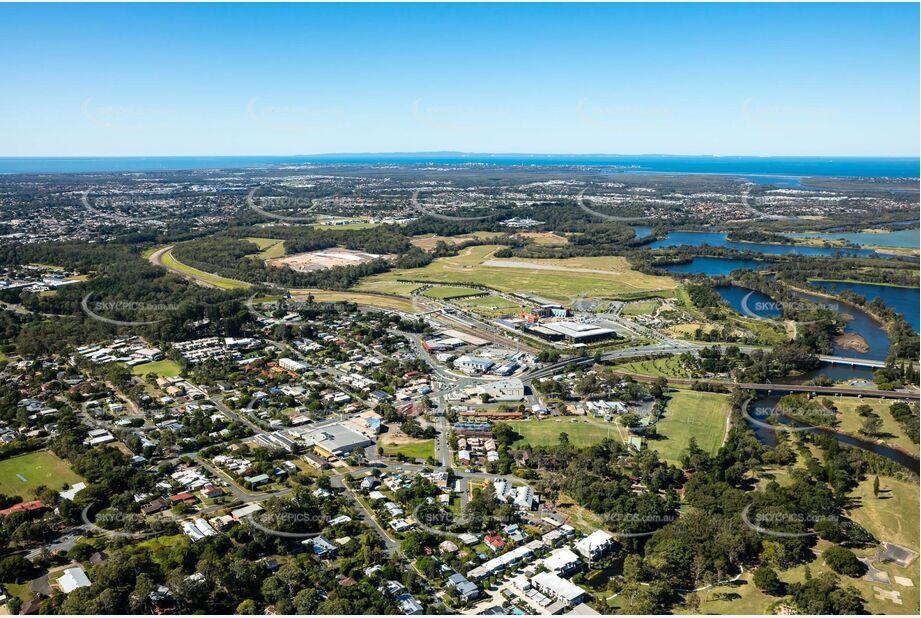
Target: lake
[
  {"x": 861, "y": 324},
  {"x": 747, "y": 302},
  {"x": 905, "y": 301},
  {"x": 642, "y": 231},
  {"x": 712, "y": 267},
  {"x": 718, "y": 239},
  {"x": 906, "y": 239}
]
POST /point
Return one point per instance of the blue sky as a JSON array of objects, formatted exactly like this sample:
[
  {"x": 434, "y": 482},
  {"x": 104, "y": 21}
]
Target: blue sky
[{"x": 118, "y": 80}]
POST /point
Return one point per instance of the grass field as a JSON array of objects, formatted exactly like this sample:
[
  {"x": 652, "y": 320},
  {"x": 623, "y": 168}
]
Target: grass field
[
  {"x": 691, "y": 414},
  {"x": 642, "y": 307},
  {"x": 561, "y": 280},
  {"x": 669, "y": 367},
  {"x": 446, "y": 292},
  {"x": 489, "y": 306},
  {"x": 581, "y": 431},
  {"x": 269, "y": 248},
  {"x": 428, "y": 242},
  {"x": 397, "y": 288},
  {"x": 416, "y": 449},
  {"x": 891, "y": 432},
  {"x": 208, "y": 278},
  {"x": 892, "y": 517},
  {"x": 544, "y": 238},
  {"x": 165, "y": 368},
  {"x": 370, "y": 300},
  {"x": 40, "y": 468}
]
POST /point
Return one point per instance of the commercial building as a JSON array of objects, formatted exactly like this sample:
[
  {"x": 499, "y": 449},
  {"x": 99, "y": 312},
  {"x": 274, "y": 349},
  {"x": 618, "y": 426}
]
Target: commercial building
[
  {"x": 473, "y": 364},
  {"x": 336, "y": 440},
  {"x": 511, "y": 389},
  {"x": 578, "y": 332}
]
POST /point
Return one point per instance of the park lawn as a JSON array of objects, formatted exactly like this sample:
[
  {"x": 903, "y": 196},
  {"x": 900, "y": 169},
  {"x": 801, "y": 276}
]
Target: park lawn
[
  {"x": 208, "y": 278},
  {"x": 39, "y": 468},
  {"x": 369, "y": 300},
  {"x": 445, "y": 292},
  {"x": 690, "y": 414},
  {"x": 641, "y": 307},
  {"x": 415, "y": 449},
  {"x": 615, "y": 279},
  {"x": 741, "y": 598},
  {"x": 546, "y": 431},
  {"x": 893, "y": 517},
  {"x": 490, "y": 306},
  {"x": 269, "y": 248},
  {"x": 669, "y": 367},
  {"x": 397, "y": 288},
  {"x": 890, "y": 433},
  {"x": 165, "y": 368}
]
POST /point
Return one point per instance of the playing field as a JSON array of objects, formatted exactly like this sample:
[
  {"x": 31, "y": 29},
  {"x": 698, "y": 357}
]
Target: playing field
[
  {"x": 411, "y": 449},
  {"x": 562, "y": 280},
  {"x": 445, "y": 292},
  {"x": 489, "y": 306},
  {"x": 581, "y": 431},
  {"x": 165, "y": 368},
  {"x": 19, "y": 476},
  {"x": 641, "y": 307},
  {"x": 268, "y": 247},
  {"x": 690, "y": 414}
]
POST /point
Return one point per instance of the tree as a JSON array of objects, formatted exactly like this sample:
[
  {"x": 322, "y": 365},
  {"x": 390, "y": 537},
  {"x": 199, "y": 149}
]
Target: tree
[
  {"x": 766, "y": 580},
  {"x": 247, "y": 606},
  {"x": 872, "y": 423},
  {"x": 14, "y": 569},
  {"x": 876, "y": 486},
  {"x": 844, "y": 561},
  {"x": 564, "y": 438}
]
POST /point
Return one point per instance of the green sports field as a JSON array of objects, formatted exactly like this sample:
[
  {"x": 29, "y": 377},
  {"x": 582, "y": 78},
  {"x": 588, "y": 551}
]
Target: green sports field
[
  {"x": 40, "y": 468},
  {"x": 581, "y": 431},
  {"x": 691, "y": 414},
  {"x": 165, "y": 368}
]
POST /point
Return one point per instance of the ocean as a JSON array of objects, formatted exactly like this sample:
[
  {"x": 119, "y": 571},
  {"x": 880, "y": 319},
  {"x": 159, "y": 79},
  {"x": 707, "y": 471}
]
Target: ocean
[{"x": 764, "y": 167}]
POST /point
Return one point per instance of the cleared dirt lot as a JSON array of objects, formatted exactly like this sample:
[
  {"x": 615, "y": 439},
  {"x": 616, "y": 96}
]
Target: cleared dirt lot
[{"x": 326, "y": 258}]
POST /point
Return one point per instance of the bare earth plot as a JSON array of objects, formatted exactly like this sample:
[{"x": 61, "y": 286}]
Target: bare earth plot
[{"x": 327, "y": 258}]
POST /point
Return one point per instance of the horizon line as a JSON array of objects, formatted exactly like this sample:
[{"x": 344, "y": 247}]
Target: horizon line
[{"x": 466, "y": 153}]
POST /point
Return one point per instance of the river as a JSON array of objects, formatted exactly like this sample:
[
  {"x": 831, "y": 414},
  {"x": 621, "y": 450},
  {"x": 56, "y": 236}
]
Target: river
[
  {"x": 718, "y": 239},
  {"x": 764, "y": 407}
]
